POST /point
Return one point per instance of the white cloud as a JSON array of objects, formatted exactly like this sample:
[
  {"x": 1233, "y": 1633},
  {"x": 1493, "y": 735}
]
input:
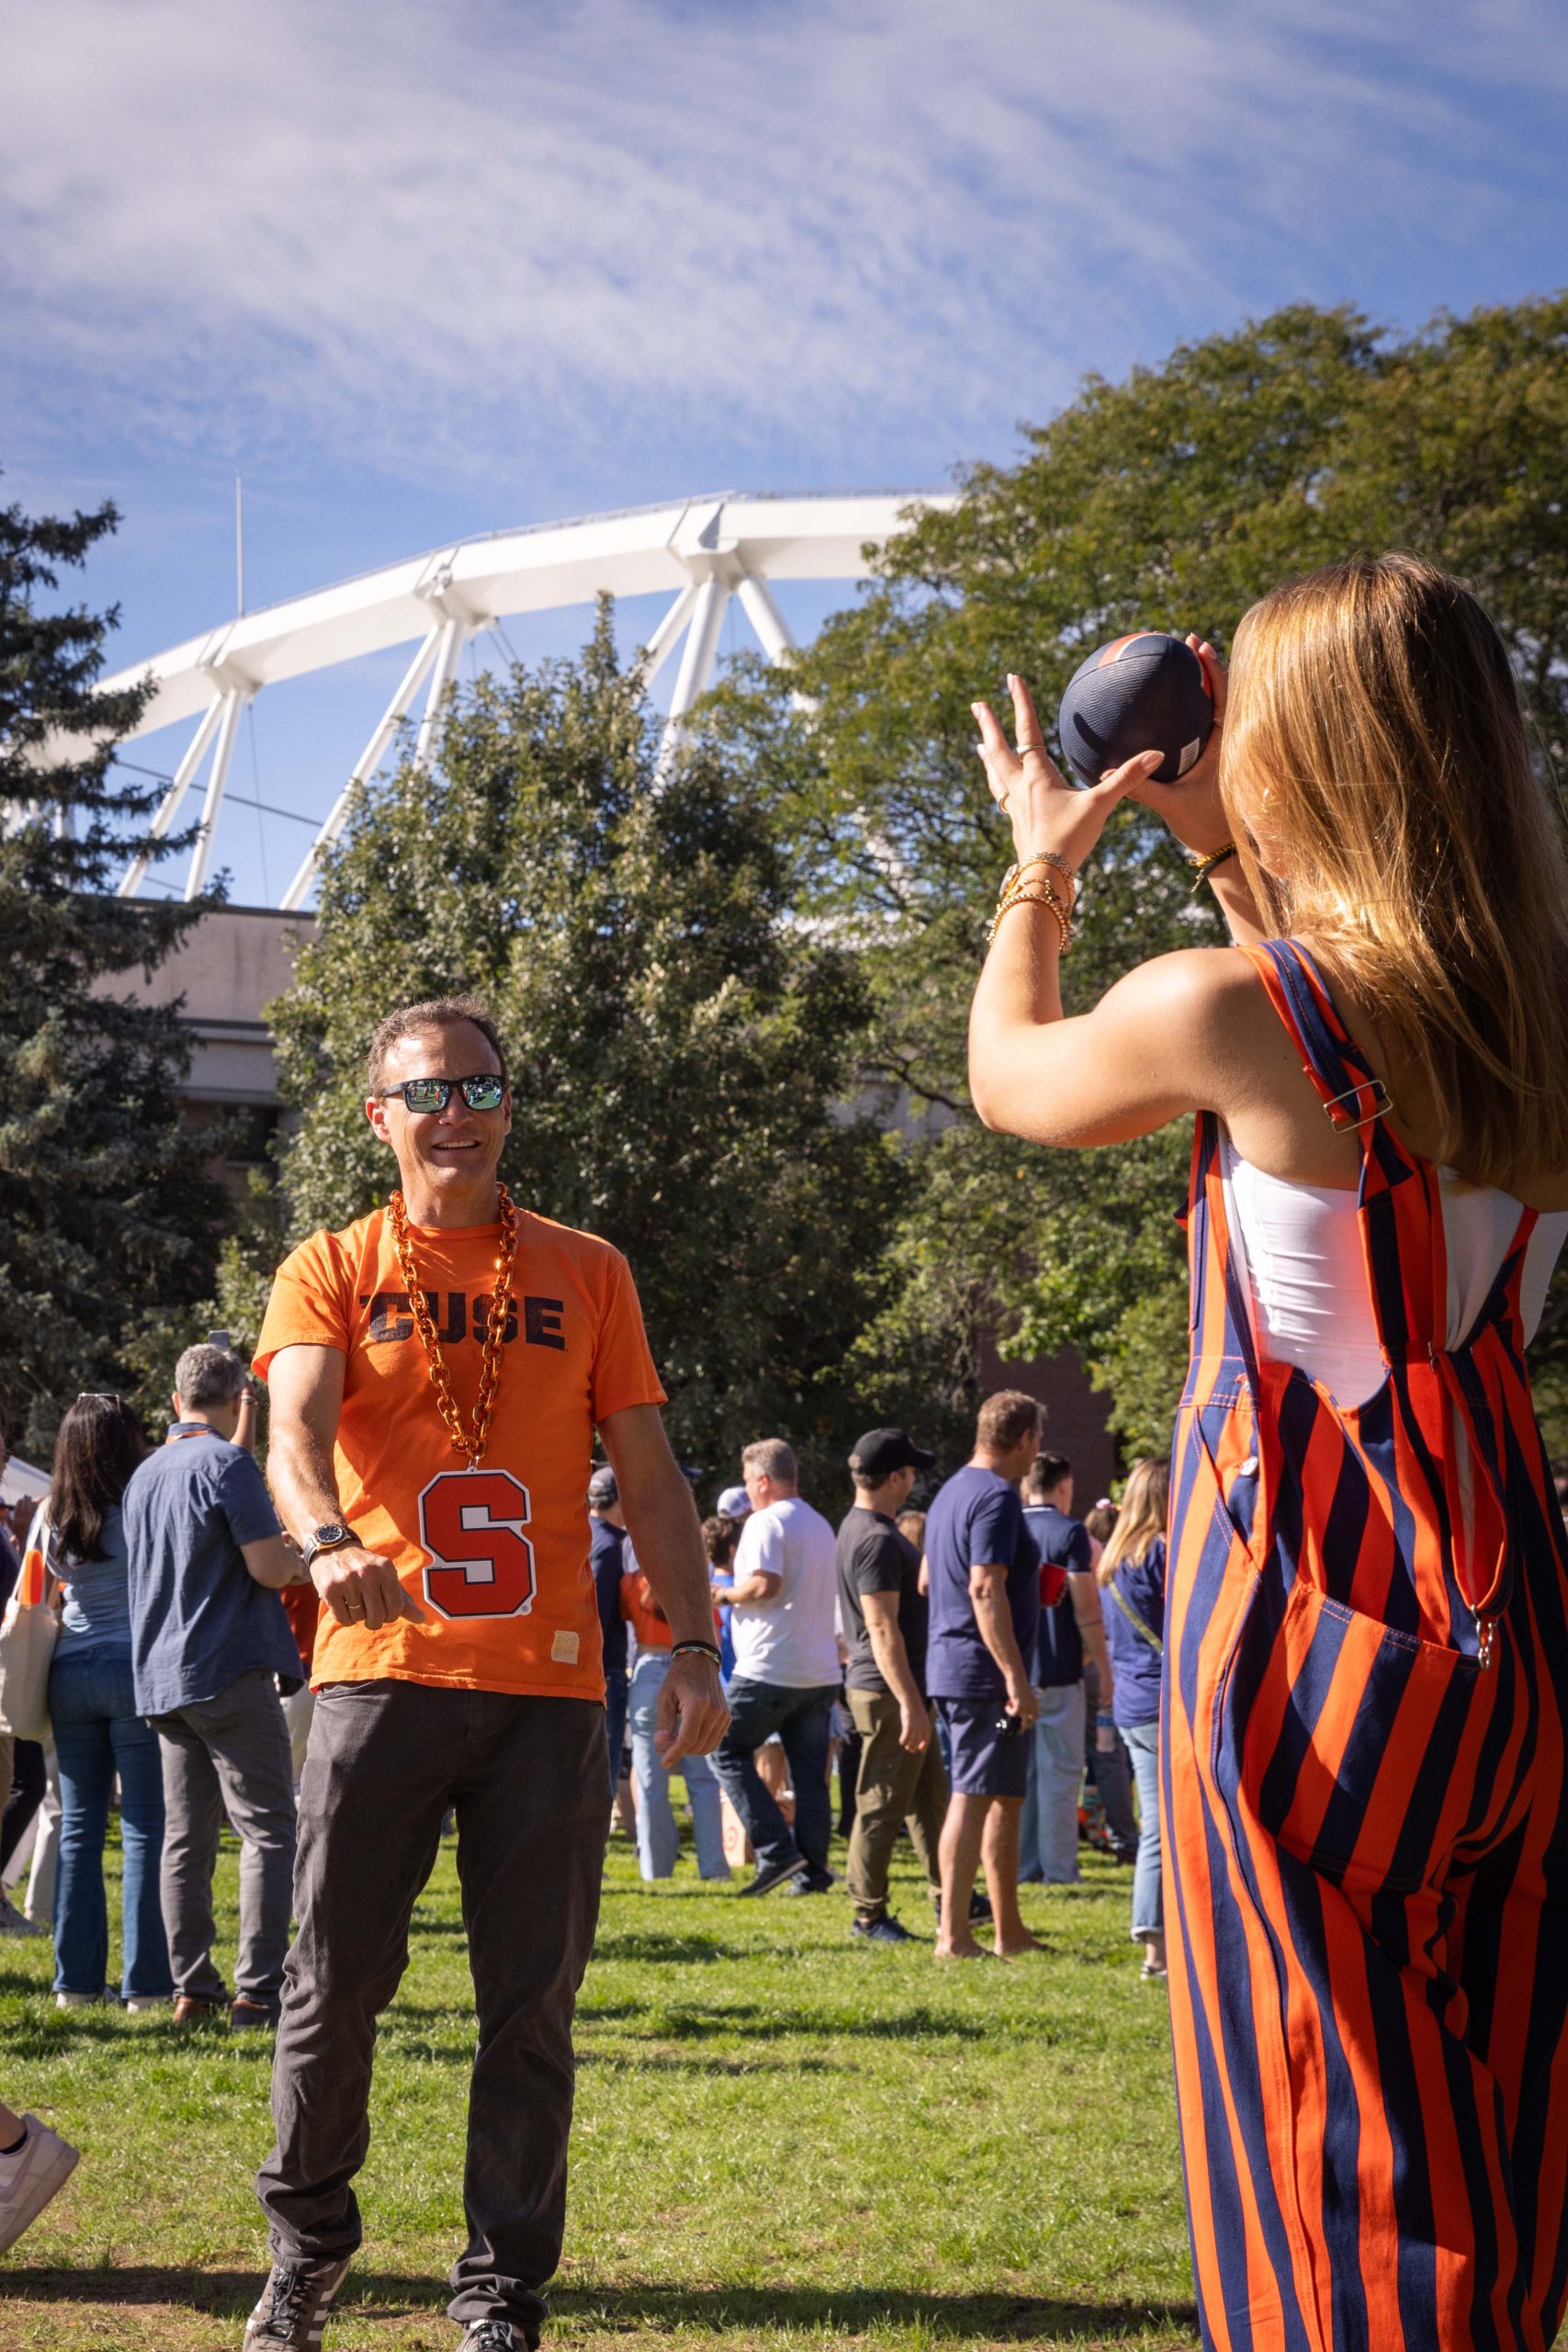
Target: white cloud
[{"x": 430, "y": 235}]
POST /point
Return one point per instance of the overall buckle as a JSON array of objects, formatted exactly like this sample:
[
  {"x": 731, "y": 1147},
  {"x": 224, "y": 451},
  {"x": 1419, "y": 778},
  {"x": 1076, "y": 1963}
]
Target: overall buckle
[{"x": 1338, "y": 1117}]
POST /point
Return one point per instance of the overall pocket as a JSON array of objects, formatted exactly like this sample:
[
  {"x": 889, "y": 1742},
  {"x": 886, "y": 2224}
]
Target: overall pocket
[{"x": 1349, "y": 1739}]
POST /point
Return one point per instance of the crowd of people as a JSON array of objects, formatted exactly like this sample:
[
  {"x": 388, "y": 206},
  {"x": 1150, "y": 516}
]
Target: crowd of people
[{"x": 938, "y": 1657}]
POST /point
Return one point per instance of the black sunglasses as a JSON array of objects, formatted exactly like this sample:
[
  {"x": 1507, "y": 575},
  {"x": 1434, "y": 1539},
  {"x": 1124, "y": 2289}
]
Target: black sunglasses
[{"x": 481, "y": 1094}]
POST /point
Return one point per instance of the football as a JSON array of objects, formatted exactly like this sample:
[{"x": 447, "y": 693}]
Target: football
[{"x": 1144, "y": 692}]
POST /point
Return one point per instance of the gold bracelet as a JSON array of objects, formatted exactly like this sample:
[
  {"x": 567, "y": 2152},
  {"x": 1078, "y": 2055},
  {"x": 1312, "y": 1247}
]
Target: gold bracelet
[
  {"x": 1042, "y": 857},
  {"x": 1042, "y": 896}
]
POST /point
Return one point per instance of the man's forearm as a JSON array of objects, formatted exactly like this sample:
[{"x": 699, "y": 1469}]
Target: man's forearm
[
  {"x": 995, "y": 1620},
  {"x": 303, "y": 1479},
  {"x": 893, "y": 1664}
]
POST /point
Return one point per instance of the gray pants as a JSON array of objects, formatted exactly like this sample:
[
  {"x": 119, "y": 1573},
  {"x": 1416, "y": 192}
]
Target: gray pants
[
  {"x": 228, "y": 1754},
  {"x": 526, "y": 1780}
]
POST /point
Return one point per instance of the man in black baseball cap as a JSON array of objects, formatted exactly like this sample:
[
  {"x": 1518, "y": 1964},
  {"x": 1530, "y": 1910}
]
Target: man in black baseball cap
[{"x": 884, "y": 1618}]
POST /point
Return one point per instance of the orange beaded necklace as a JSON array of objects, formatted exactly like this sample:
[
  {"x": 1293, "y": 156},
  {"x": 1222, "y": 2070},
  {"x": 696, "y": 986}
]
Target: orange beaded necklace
[{"x": 473, "y": 1444}]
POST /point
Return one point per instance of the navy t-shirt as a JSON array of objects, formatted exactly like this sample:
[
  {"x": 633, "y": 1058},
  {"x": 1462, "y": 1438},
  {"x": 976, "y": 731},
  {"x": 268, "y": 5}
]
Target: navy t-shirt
[
  {"x": 977, "y": 1519},
  {"x": 199, "y": 1618},
  {"x": 605, "y": 1547},
  {"x": 1136, "y": 1664},
  {"x": 1059, "y": 1649}
]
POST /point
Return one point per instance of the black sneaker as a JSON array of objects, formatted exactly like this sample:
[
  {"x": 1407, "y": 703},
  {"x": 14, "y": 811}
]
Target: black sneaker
[
  {"x": 495, "y": 2335},
  {"x": 885, "y": 1930},
  {"x": 771, "y": 1874},
  {"x": 810, "y": 1882},
  {"x": 294, "y": 2305},
  {"x": 979, "y": 1907}
]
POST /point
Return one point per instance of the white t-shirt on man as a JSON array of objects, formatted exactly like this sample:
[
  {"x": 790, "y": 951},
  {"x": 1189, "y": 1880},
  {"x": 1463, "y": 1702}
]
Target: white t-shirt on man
[{"x": 789, "y": 1640}]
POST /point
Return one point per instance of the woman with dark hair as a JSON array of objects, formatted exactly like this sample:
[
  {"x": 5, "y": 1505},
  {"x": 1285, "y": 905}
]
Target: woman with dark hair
[{"x": 97, "y": 1731}]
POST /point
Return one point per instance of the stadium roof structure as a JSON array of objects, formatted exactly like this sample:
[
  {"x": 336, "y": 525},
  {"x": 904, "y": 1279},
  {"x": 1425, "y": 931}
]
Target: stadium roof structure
[{"x": 703, "y": 551}]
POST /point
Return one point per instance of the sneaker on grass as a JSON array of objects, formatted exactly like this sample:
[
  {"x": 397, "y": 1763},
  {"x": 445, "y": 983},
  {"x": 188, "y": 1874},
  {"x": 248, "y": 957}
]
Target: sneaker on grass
[
  {"x": 809, "y": 1881},
  {"x": 30, "y": 2176},
  {"x": 16, "y": 1923},
  {"x": 771, "y": 1874},
  {"x": 294, "y": 2305},
  {"x": 886, "y": 1930},
  {"x": 495, "y": 2335}
]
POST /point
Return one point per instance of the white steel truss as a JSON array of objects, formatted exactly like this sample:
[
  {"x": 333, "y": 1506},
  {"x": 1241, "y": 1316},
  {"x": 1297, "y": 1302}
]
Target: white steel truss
[{"x": 704, "y": 551}]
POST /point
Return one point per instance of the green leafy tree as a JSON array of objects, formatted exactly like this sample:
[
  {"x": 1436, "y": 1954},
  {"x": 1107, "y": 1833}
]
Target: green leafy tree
[
  {"x": 107, "y": 1217},
  {"x": 1171, "y": 500},
  {"x": 681, "y": 1046}
]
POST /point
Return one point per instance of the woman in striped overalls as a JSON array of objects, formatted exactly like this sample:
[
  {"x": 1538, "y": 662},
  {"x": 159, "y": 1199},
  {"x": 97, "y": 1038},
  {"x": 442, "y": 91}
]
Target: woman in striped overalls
[{"x": 1366, "y": 1656}]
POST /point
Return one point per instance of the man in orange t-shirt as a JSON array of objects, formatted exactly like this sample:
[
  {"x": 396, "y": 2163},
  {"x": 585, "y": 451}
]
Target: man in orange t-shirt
[{"x": 437, "y": 1372}]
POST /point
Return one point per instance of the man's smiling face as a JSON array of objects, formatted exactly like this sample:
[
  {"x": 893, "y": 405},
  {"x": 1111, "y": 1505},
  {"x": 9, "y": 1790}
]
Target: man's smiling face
[{"x": 442, "y": 1150}]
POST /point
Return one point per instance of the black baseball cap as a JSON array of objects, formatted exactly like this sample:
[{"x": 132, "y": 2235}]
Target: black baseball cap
[
  {"x": 879, "y": 1453},
  {"x": 602, "y": 1486}
]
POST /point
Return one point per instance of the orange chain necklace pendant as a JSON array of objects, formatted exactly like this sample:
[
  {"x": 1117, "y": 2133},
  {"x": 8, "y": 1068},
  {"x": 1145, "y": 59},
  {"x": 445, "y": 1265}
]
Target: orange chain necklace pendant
[{"x": 473, "y": 1444}]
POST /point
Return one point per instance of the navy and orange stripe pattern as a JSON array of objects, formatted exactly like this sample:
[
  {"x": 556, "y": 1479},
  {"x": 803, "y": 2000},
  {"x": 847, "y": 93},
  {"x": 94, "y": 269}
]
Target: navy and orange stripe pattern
[{"x": 1363, "y": 1810}]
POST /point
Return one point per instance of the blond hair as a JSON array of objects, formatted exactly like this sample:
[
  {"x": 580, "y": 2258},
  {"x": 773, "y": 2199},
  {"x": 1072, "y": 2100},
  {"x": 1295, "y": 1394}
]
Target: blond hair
[
  {"x": 1140, "y": 1520},
  {"x": 1375, "y": 734}
]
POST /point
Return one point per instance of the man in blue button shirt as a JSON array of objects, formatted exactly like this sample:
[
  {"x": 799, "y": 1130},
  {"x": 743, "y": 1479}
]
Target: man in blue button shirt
[{"x": 209, "y": 1646}]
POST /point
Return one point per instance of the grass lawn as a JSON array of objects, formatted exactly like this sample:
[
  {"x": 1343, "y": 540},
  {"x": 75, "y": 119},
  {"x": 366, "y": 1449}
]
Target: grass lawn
[{"x": 782, "y": 2141}]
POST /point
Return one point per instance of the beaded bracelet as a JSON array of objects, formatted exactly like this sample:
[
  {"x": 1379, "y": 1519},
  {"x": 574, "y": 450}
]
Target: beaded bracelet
[
  {"x": 1041, "y": 857},
  {"x": 697, "y": 1649},
  {"x": 1042, "y": 896}
]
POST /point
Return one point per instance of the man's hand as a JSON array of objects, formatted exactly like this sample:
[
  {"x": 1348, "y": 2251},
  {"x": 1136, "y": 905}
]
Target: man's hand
[
  {"x": 361, "y": 1588},
  {"x": 914, "y": 1726},
  {"x": 692, "y": 1716},
  {"x": 1022, "y": 1700}
]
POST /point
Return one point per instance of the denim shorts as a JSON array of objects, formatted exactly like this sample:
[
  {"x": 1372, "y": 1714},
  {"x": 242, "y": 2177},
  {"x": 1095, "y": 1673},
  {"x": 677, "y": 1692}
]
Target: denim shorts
[{"x": 986, "y": 1762}]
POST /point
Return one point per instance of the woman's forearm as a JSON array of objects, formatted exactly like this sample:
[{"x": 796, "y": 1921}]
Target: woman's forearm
[{"x": 1019, "y": 990}]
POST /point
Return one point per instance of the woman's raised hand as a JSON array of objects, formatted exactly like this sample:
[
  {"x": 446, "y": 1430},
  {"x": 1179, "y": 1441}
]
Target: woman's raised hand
[{"x": 1045, "y": 811}]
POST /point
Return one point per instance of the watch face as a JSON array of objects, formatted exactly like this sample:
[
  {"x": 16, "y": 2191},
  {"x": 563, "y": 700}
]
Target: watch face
[{"x": 333, "y": 1532}]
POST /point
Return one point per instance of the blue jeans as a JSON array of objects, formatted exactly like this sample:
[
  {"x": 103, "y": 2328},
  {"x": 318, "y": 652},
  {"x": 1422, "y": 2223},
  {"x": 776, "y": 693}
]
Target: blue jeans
[
  {"x": 97, "y": 1732},
  {"x": 614, "y": 1723},
  {"x": 803, "y": 1720},
  {"x": 658, "y": 1839},
  {"x": 1049, "y": 1827},
  {"x": 1148, "y": 1905}
]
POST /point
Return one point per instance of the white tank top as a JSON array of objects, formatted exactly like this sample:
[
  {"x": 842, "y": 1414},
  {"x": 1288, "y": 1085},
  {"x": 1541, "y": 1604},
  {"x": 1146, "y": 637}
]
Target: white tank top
[{"x": 1311, "y": 1306}]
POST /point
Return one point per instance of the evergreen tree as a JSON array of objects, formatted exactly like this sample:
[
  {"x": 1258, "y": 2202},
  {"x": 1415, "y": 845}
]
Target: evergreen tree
[
  {"x": 106, "y": 1215},
  {"x": 682, "y": 1049}
]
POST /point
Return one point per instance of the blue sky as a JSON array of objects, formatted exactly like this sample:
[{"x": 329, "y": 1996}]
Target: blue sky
[{"x": 423, "y": 271}]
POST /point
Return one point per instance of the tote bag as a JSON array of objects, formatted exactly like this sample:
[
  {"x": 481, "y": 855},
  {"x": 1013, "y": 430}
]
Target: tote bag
[{"x": 28, "y": 1635}]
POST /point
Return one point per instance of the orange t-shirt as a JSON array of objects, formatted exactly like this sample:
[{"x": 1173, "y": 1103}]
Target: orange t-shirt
[{"x": 497, "y": 1558}]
